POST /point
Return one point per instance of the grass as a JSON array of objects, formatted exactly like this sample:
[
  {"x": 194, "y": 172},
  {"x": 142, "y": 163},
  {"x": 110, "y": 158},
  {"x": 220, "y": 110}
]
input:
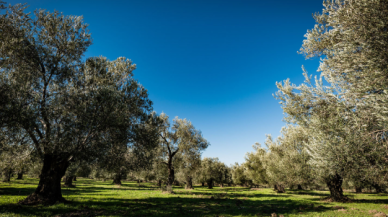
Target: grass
[{"x": 98, "y": 198}]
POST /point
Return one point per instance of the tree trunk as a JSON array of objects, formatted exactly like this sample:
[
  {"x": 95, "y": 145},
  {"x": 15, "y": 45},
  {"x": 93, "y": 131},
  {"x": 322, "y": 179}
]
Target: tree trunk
[
  {"x": 280, "y": 189},
  {"x": 117, "y": 179},
  {"x": 210, "y": 184},
  {"x": 334, "y": 183},
  {"x": 275, "y": 187},
  {"x": 189, "y": 182},
  {"x": 300, "y": 187},
  {"x": 358, "y": 190},
  {"x": 171, "y": 175},
  {"x": 68, "y": 181},
  {"x": 176, "y": 183},
  {"x": 203, "y": 184},
  {"x": 49, "y": 187},
  {"x": 7, "y": 175},
  {"x": 159, "y": 183},
  {"x": 379, "y": 188},
  {"x": 20, "y": 175},
  {"x": 222, "y": 185},
  {"x": 74, "y": 178}
]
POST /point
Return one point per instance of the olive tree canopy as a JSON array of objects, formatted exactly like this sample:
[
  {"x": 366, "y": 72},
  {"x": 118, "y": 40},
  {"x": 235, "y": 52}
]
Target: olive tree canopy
[
  {"x": 181, "y": 139},
  {"x": 69, "y": 108},
  {"x": 346, "y": 117}
]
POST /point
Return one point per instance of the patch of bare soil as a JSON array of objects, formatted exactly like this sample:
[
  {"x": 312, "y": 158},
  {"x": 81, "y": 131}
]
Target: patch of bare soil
[
  {"x": 256, "y": 189},
  {"x": 377, "y": 213},
  {"x": 380, "y": 214},
  {"x": 330, "y": 199}
]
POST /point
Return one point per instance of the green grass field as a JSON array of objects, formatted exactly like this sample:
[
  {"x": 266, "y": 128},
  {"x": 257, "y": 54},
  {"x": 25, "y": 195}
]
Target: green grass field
[{"x": 98, "y": 198}]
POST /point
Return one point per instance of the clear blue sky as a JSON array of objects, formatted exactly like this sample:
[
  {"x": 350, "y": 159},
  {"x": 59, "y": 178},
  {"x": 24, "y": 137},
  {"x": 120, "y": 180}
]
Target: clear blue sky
[{"x": 214, "y": 62}]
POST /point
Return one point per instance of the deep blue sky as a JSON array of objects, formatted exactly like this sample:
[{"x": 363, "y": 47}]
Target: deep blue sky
[{"x": 214, "y": 62}]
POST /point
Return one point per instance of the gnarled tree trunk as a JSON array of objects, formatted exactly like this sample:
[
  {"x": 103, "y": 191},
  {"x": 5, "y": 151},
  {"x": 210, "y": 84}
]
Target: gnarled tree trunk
[
  {"x": 334, "y": 183},
  {"x": 49, "y": 187},
  {"x": 68, "y": 181},
  {"x": 379, "y": 188},
  {"x": 210, "y": 183},
  {"x": 189, "y": 182},
  {"x": 117, "y": 179},
  {"x": 20, "y": 175},
  {"x": 6, "y": 175},
  {"x": 280, "y": 188}
]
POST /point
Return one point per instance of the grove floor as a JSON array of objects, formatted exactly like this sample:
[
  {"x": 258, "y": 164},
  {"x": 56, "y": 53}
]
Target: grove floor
[{"x": 98, "y": 198}]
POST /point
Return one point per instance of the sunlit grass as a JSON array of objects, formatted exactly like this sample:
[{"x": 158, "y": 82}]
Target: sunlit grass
[{"x": 91, "y": 197}]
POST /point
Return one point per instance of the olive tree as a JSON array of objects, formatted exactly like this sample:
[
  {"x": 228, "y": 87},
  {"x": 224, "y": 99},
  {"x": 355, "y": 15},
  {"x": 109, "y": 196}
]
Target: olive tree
[
  {"x": 188, "y": 168},
  {"x": 347, "y": 118},
  {"x": 213, "y": 171},
  {"x": 254, "y": 166},
  {"x": 181, "y": 138},
  {"x": 69, "y": 109},
  {"x": 239, "y": 175}
]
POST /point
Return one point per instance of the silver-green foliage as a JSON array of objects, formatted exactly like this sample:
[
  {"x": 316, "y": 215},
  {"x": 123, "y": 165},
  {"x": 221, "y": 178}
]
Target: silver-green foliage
[
  {"x": 66, "y": 106},
  {"x": 344, "y": 111}
]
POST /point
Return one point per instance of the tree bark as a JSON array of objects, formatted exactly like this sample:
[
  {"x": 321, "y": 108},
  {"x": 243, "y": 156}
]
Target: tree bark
[
  {"x": 280, "y": 189},
  {"x": 379, "y": 188},
  {"x": 210, "y": 184},
  {"x": 49, "y": 187},
  {"x": 74, "y": 178},
  {"x": 20, "y": 175},
  {"x": 68, "y": 181},
  {"x": 171, "y": 176},
  {"x": 7, "y": 175},
  {"x": 159, "y": 183},
  {"x": 358, "y": 190},
  {"x": 300, "y": 187},
  {"x": 334, "y": 183},
  {"x": 203, "y": 184},
  {"x": 189, "y": 182},
  {"x": 117, "y": 179}
]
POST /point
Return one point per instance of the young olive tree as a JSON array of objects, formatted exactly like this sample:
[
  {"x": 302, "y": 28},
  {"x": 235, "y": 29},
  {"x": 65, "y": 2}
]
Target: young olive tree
[
  {"x": 181, "y": 138},
  {"x": 69, "y": 109}
]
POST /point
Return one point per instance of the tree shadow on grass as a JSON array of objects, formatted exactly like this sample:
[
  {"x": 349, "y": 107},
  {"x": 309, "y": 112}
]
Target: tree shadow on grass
[
  {"x": 17, "y": 191},
  {"x": 171, "y": 206},
  {"x": 220, "y": 195}
]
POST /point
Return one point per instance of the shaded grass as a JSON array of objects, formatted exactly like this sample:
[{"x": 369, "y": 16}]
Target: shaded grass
[{"x": 98, "y": 198}]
